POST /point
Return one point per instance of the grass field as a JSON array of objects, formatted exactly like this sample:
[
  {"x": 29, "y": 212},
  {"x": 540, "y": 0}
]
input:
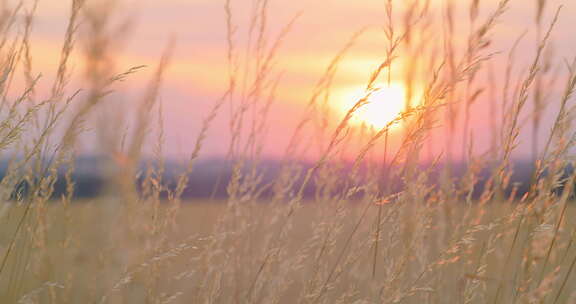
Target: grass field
[
  {"x": 435, "y": 253},
  {"x": 358, "y": 210}
]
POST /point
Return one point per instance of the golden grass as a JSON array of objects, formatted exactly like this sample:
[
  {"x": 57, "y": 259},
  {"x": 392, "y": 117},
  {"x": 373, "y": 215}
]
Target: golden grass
[
  {"x": 426, "y": 235},
  {"x": 327, "y": 256}
]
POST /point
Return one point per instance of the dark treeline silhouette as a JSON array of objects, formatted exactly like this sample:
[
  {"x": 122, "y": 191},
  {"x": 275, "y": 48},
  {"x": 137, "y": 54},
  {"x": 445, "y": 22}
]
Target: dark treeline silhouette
[{"x": 211, "y": 177}]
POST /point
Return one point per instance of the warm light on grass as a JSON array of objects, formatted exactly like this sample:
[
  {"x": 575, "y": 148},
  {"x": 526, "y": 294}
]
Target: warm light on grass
[{"x": 93, "y": 209}]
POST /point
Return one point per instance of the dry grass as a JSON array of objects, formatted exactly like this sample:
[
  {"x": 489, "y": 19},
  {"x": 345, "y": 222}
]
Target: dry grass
[{"x": 426, "y": 235}]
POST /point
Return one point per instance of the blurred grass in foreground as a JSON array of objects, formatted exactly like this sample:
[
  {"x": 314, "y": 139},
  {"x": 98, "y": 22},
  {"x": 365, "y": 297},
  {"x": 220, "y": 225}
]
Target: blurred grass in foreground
[
  {"x": 466, "y": 255},
  {"x": 419, "y": 237}
]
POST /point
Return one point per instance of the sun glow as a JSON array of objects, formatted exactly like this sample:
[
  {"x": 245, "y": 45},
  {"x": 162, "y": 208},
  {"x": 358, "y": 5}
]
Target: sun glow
[{"x": 383, "y": 106}]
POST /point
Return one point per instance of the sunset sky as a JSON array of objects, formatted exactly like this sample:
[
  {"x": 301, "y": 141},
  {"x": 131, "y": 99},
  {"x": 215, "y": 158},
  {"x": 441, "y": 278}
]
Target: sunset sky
[{"x": 197, "y": 75}]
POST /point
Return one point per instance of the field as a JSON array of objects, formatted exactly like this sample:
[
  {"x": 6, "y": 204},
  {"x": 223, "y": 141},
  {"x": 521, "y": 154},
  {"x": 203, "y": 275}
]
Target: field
[
  {"x": 406, "y": 190},
  {"x": 425, "y": 254}
]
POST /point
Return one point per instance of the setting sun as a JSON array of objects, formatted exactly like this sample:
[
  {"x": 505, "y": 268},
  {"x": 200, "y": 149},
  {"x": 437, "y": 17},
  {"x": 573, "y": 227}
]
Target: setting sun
[{"x": 383, "y": 106}]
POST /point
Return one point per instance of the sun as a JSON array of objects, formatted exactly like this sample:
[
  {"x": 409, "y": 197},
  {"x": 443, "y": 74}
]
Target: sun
[{"x": 384, "y": 105}]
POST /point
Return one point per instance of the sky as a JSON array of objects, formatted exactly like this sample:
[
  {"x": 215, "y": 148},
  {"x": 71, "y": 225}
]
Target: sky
[{"x": 198, "y": 71}]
